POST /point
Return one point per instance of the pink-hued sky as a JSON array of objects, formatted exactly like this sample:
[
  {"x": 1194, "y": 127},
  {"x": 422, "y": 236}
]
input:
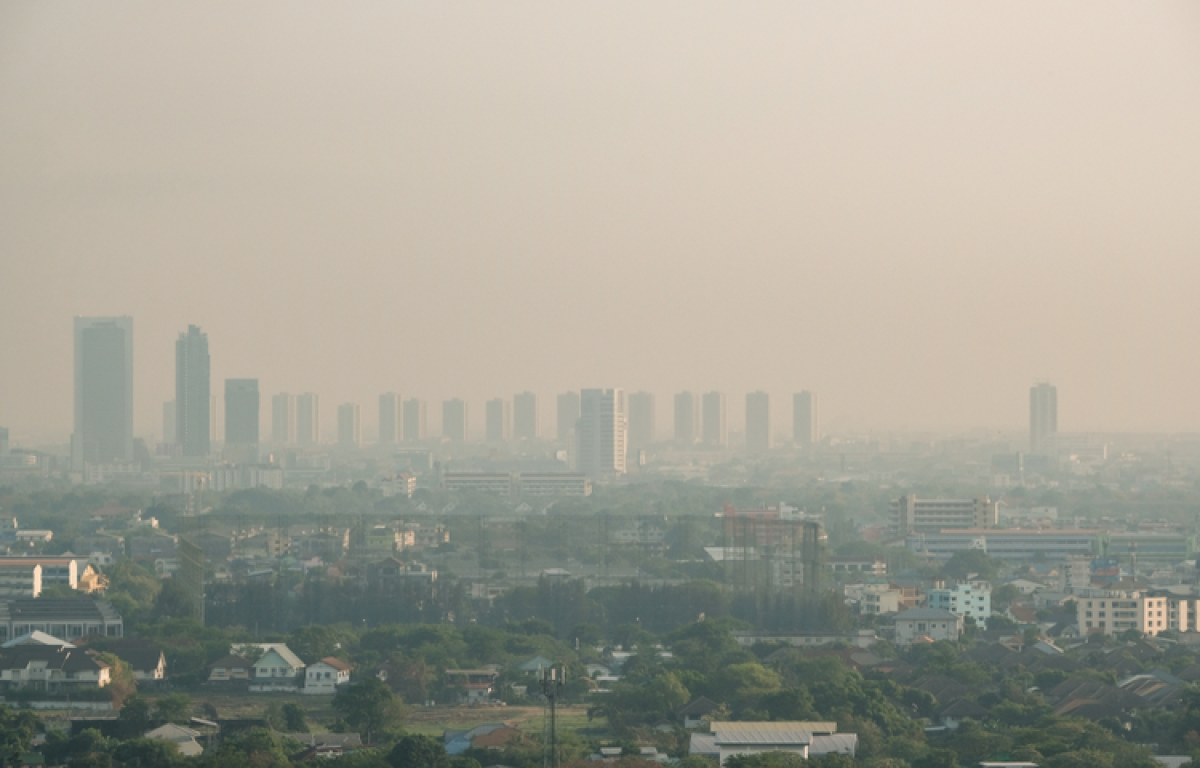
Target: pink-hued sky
[{"x": 915, "y": 209}]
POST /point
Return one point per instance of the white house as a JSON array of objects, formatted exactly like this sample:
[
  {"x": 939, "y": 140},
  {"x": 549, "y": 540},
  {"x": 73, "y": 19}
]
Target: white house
[
  {"x": 324, "y": 676},
  {"x": 277, "y": 669},
  {"x": 933, "y": 623}
]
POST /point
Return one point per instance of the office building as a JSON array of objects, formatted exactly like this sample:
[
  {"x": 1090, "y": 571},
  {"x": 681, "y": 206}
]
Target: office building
[
  {"x": 169, "y": 423},
  {"x": 241, "y": 419},
  {"x": 642, "y": 421},
  {"x": 454, "y": 420},
  {"x": 103, "y": 390},
  {"x": 525, "y": 416},
  {"x": 806, "y": 427},
  {"x": 389, "y": 419},
  {"x": 308, "y": 419},
  {"x": 1043, "y": 417},
  {"x": 193, "y": 398},
  {"x": 415, "y": 416},
  {"x": 349, "y": 425},
  {"x": 283, "y": 419},
  {"x": 908, "y": 514},
  {"x": 715, "y": 426},
  {"x": 498, "y": 420},
  {"x": 600, "y": 438},
  {"x": 758, "y": 423},
  {"x": 687, "y": 417},
  {"x": 568, "y": 416}
]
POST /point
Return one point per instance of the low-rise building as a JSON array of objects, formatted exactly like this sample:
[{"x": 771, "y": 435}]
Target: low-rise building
[
  {"x": 231, "y": 669},
  {"x": 20, "y": 579},
  {"x": 325, "y": 676},
  {"x": 932, "y": 623},
  {"x": 472, "y": 685},
  {"x": 68, "y": 618},
  {"x": 972, "y": 599},
  {"x": 278, "y": 668},
  {"x": 52, "y": 668},
  {"x": 1111, "y": 612}
]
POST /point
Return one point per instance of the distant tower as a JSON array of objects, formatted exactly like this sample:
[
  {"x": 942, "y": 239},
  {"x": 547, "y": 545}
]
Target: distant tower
[
  {"x": 600, "y": 439},
  {"x": 389, "y": 418},
  {"x": 806, "y": 425},
  {"x": 716, "y": 427},
  {"x": 241, "y": 419},
  {"x": 642, "y": 421},
  {"x": 525, "y": 416},
  {"x": 687, "y": 417},
  {"x": 349, "y": 425},
  {"x": 758, "y": 423},
  {"x": 283, "y": 419},
  {"x": 308, "y": 419},
  {"x": 103, "y": 390},
  {"x": 1043, "y": 417},
  {"x": 568, "y": 415},
  {"x": 414, "y": 419},
  {"x": 454, "y": 420},
  {"x": 193, "y": 398},
  {"x": 498, "y": 420}
]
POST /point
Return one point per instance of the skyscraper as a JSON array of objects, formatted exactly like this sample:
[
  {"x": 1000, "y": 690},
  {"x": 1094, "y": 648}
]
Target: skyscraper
[
  {"x": 525, "y": 416},
  {"x": 454, "y": 420},
  {"x": 601, "y": 436},
  {"x": 687, "y": 417},
  {"x": 193, "y": 398},
  {"x": 389, "y": 418},
  {"x": 349, "y": 425},
  {"x": 283, "y": 419},
  {"x": 806, "y": 423},
  {"x": 642, "y": 421},
  {"x": 567, "y": 416},
  {"x": 103, "y": 390},
  {"x": 414, "y": 419},
  {"x": 308, "y": 419},
  {"x": 716, "y": 422},
  {"x": 241, "y": 419},
  {"x": 758, "y": 423},
  {"x": 498, "y": 420},
  {"x": 1043, "y": 417}
]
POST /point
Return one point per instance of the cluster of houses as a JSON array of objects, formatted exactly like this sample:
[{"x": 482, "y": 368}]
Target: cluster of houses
[
  {"x": 49, "y": 665},
  {"x": 277, "y": 668}
]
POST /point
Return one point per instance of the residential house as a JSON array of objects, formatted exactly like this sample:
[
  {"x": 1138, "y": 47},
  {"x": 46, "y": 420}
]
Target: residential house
[
  {"x": 325, "y": 676},
  {"x": 932, "y": 623},
  {"x": 52, "y": 668},
  {"x": 184, "y": 738},
  {"x": 277, "y": 669},
  {"x": 473, "y": 685},
  {"x": 692, "y": 714},
  {"x": 145, "y": 659},
  {"x": 231, "y": 669}
]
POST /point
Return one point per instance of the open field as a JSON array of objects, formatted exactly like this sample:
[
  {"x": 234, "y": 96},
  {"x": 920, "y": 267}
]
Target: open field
[{"x": 529, "y": 719}]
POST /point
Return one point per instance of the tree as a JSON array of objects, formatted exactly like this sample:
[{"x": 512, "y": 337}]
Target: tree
[
  {"x": 174, "y": 601},
  {"x": 418, "y": 751},
  {"x": 369, "y": 706},
  {"x": 174, "y": 708},
  {"x": 293, "y": 718},
  {"x": 121, "y": 680},
  {"x": 147, "y": 753},
  {"x": 134, "y": 717}
]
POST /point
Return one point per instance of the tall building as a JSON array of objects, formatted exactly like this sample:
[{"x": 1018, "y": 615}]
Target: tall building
[
  {"x": 283, "y": 419},
  {"x": 193, "y": 398},
  {"x": 568, "y": 416},
  {"x": 716, "y": 421},
  {"x": 600, "y": 438},
  {"x": 454, "y": 420},
  {"x": 349, "y": 425},
  {"x": 414, "y": 419},
  {"x": 758, "y": 422},
  {"x": 169, "y": 423},
  {"x": 642, "y": 421},
  {"x": 241, "y": 419},
  {"x": 525, "y": 416},
  {"x": 498, "y": 420},
  {"x": 806, "y": 424},
  {"x": 308, "y": 419},
  {"x": 1043, "y": 417},
  {"x": 687, "y": 417},
  {"x": 216, "y": 419},
  {"x": 103, "y": 390},
  {"x": 389, "y": 419}
]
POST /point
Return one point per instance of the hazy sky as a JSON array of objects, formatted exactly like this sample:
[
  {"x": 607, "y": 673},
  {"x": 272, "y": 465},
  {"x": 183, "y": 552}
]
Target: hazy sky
[{"x": 914, "y": 209}]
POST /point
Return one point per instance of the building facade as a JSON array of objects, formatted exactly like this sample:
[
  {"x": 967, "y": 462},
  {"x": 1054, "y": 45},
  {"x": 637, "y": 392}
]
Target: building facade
[
  {"x": 601, "y": 448},
  {"x": 454, "y": 420},
  {"x": 193, "y": 396},
  {"x": 806, "y": 424},
  {"x": 308, "y": 419},
  {"x": 1043, "y": 417},
  {"x": 642, "y": 421},
  {"x": 349, "y": 425},
  {"x": 283, "y": 419},
  {"x": 908, "y": 514},
  {"x": 103, "y": 390},
  {"x": 389, "y": 418},
  {"x": 241, "y": 418},
  {"x": 715, "y": 426},
  {"x": 415, "y": 417}
]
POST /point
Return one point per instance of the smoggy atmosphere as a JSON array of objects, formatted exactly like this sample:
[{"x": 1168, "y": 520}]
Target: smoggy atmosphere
[{"x": 917, "y": 211}]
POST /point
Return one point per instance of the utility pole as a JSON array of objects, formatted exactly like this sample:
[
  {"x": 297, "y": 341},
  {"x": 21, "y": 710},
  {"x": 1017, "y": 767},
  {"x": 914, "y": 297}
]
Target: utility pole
[{"x": 552, "y": 684}]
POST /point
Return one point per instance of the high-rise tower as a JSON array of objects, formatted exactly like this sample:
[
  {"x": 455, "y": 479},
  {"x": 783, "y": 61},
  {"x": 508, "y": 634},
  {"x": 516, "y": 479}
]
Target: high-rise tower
[
  {"x": 715, "y": 427},
  {"x": 308, "y": 418},
  {"x": 103, "y": 390},
  {"x": 806, "y": 425},
  {"x": 525, "y": 416},
  {"x": 192, "y": 392},
  {"x": 389, "y": 418},
  {"x": 642, "y": 421},
  {"x": 415, "y": 419},
  {"x": 241, "y": 419},
  {"x": 283, "y": 419},
  {"x": 349, "y": 425},
  {"x": 758, "y": 423},
  {"x": 1043, "y": 417},
  {"x": 600, "y": 438}
]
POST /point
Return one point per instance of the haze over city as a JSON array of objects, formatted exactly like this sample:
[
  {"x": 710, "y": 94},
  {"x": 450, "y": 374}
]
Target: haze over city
[{"x": 917, "y": 212}]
